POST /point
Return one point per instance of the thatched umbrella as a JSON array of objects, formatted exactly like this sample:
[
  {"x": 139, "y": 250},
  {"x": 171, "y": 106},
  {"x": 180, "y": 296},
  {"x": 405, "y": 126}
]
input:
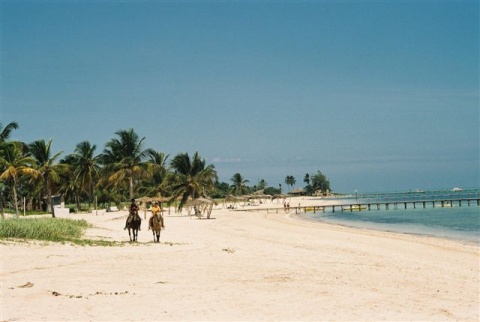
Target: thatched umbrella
[
  {"x": 201, "y": 205},
  {"x": 234, "y": 199}
]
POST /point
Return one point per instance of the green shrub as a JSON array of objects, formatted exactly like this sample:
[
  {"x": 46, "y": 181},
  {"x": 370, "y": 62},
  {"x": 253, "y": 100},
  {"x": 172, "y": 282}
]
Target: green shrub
[{"x": 49, "y": 229}]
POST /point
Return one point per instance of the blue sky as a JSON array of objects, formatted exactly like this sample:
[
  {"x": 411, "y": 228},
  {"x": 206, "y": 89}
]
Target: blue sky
[{"x": 378, "y": 95}]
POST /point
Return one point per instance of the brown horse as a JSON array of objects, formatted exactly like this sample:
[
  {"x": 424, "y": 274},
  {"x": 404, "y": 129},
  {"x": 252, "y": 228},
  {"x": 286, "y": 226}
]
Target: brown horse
[
  {"x": 133, "y": 225},
  {"x": 155, "y": 223}
]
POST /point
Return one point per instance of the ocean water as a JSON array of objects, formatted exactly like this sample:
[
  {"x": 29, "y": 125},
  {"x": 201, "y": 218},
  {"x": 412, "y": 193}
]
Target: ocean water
[{"x": 453, "y": 221}]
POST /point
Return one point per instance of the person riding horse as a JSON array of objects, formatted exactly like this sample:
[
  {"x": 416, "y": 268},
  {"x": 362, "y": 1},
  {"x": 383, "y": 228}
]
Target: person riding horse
[
  {"x": 156, "y": 211},
  {"x": 133, "y": 215}
]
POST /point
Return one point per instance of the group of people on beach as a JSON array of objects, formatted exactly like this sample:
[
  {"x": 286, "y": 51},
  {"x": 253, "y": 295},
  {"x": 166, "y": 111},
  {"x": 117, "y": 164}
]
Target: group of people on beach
[{"x": 133, "y": 215}]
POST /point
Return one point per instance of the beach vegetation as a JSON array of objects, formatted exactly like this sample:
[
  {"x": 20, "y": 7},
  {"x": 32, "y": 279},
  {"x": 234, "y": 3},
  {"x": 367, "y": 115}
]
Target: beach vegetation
[
  {"x": 319, "y": 183},
  {"x": 158, "y": 168},
  {"x": 6, "y": 131},
  {"x": 192, "y": 178},
  {"x": 50, "y": 230},
  {"x": 32, "y": 176},
  {"x": 239, "y": 184},
  {"x": 262, "y": 184},
  {"x": 48, "y": 169},
  {"x": 15, "y": 164},
  {"x": 85, "y": 166},
  {"x": 272, "y": 191},
  {"x": 290, "y": 181},
  {"x": 124, "y": 161},
  {"x": 222, "y": 189},
  {"x": 306, "y": 178},
  {"x": 47, "y": 229}
]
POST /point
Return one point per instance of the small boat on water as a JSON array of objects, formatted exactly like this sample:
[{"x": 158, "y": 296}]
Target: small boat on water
[{"x": 457, "y": 189}]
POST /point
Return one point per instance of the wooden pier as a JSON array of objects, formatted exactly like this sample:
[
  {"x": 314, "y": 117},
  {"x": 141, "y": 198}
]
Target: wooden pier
[{"x": 375, "y": 205}]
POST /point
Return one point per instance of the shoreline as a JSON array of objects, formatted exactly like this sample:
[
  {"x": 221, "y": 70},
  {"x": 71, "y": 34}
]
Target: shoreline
[
  {"x": 373, "y": 228},
  {"x": 241, "y": 266}
]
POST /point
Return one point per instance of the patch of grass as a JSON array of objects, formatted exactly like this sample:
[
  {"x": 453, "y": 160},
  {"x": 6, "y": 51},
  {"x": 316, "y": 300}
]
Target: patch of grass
[
  {"x": 47, "y": 229},
  {"x": 28, "y": 212},
  {"x": 91, "y": 242}
]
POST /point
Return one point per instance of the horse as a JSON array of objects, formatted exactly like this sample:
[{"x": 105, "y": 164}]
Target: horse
[
  {"x": 133, "y": 225},
  {"x": 155, "y": 223}
]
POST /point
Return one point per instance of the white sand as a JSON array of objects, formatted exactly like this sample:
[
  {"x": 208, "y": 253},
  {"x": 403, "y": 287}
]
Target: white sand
[{"x": 241, "y": 266}]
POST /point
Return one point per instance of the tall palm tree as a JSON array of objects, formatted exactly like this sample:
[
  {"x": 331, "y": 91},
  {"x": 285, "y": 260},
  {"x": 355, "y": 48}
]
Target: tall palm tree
[
  {"x": 86, "y": 167},
  {"x": 15, "y": 163},
  {"x": 5, "y": 135},
  {"x": 262, "y": 184},
  {"x": 290, "y": 181},
  {"x": 124, "y": 160},
  {"x": 47, "y": 166},
  {"x": 193, "y": 178},
  {"x": 157, "y": 166},
  {"x": 239, "y": 184},
  {"x": 306, "y": 178},
  {"x": 7, "y": 130}
]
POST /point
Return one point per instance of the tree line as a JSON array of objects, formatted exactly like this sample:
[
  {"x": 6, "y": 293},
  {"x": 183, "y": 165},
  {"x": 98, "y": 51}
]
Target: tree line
[{"x": 124, "y": 169}]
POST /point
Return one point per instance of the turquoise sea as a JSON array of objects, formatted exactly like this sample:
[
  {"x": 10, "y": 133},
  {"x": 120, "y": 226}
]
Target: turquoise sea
[{"x": 452, "y": 221}]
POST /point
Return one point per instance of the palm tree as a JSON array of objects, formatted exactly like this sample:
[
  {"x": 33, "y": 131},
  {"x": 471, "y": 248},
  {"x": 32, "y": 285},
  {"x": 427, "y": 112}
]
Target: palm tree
[
  {"x": 290, "y": 181},
  {"x": 86, "y": 167},
  {"x": 193, "y": 178},
  {"x": 5, "y": 135},
  {"x": 320, "y": 182},
  {"x": 123, "y": 160},
  {"x": 306, "y": 178},
  {"x": 48, "y": 168},
  {"x": 158, "y": 170},
  {"x": 68, "y": 184},
  {"x": 7, "y": 130},
  {"x": 239, "y": 186},
  {"x": 15, "y": 163},
  {"x": 262, "y": 184}
]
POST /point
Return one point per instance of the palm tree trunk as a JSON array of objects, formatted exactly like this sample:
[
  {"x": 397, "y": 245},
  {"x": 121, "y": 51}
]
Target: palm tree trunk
[
  {"x": 15, "y": 200},
  {"x": 49, "y": 197},
  {"x": 131, "y": 187},
  {"x": 1, "y": 206},
  {"x": 77, "y": 201},
  {"x": 53, "y": 209}
]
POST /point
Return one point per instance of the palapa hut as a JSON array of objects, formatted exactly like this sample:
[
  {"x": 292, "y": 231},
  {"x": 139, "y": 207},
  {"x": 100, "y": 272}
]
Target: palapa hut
[
  {"x": 297, "y": 192},
  {"x": 200, "y": 206},
  {"x": 257, "y": 195},
  {"x": 233, "y": 200},
  {"x": 260, "y": 195}
]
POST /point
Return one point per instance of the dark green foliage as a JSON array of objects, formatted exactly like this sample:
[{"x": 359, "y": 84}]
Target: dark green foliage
[
  {"x": 222, "y": 189},
  {"x": 271, "y": 191},
  {"x": 320, "y": 182}
]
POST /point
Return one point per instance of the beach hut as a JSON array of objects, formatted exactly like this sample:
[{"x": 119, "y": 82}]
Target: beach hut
[
  {"x": 233, "y": 199},
  {"x": 297, "y": 192},
  {"x": 200, "y": 206}
]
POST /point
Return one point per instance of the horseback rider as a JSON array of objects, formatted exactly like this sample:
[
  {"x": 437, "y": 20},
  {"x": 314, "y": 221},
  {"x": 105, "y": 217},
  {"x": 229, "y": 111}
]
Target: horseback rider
[
  {"x": 156, "y": 211},
  {"x": 133, "y": 215}
]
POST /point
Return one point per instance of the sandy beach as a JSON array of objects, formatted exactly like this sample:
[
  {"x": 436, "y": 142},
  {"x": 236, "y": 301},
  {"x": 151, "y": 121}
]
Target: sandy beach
[{"x": 240, "y": 266}]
